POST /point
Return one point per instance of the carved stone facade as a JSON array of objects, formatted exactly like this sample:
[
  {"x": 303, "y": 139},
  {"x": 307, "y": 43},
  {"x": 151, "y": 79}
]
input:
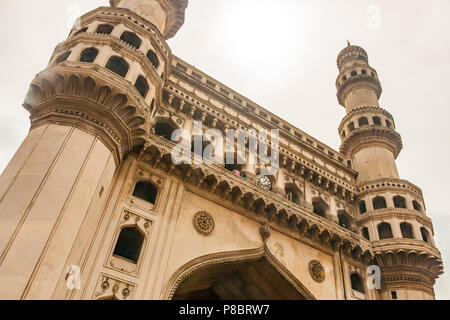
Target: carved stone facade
[{"x": 93, "y": 187}]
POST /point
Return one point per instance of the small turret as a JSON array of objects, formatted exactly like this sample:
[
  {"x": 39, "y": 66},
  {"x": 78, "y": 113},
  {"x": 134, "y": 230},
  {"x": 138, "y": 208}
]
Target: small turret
[{"x": 166, "y": 15}]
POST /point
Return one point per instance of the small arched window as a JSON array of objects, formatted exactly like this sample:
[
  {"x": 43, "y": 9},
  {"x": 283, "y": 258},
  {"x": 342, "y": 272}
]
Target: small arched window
[
  {"x": 357, "y": 283},
  {"x": 165, "y": 130},
  {"x": 129, "y": 244},
  {"x": 388, "y": 124},
  {"x": 153, "y": 58},
  {"x": 354, "y": 73},
  {"x": 399, "y": 202},
  {"x": 146, "y": 191},
  {"x": 351, "y": 126},
  {"x": 385, "y": 231},
  {"x": 132, "y": 39},
  {"x": 376, "y": 121},
  {"x": 89, "y": 55},
  {"x": 142, "y": 86},
  {"x": 362, "y": 207},
  {"x": 343, "y": 134},
  {"x": 62, "y": 57},
  {"x": 320, "y": 208},
  {"x": 407, "y": 230},
  {"x": 118, "y": 65},
  {"x": 363, "y": 71},
  {"x": 363, "y": 121},
  {"x": 425, "y": 234},
  {"x": 80, "y": 31},
  {"x": 105, "y": 29},
  {"x": 379, "y": 203},
  {"x": 344, "y": 78},
  {"x": 365, "y": 233},
  {"x": 417, "y": 206}
]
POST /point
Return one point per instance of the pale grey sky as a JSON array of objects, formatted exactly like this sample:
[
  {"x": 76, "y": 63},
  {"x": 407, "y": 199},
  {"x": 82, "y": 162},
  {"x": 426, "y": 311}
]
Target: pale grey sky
[{"x": 282, "y": 55}]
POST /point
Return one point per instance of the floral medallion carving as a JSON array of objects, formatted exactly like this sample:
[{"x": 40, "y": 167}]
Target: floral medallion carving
[
  {"x": 204, "y": 223},
  {"x": 316, "y": 271}
]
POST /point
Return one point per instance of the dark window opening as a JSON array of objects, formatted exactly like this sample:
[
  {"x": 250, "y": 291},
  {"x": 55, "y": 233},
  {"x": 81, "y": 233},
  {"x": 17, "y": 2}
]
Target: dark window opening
[
  {"x": 142, "y": 86},
  {"x": 118, "y": 65},
  {"x": 407, "y": 230},
  {"x": 394, "y": 295},
  {"x": 129, "y": 244},
  {"x": 354, "y": 74},
  {"x": 417, "y": 206},
  {"x": 145, "y": 191},
  {"x": 376, "y": 121},
  {"x": 425, "y": 235},
  {"x": 153, "y": 58},
  {"x": 385, "y": 231},
  {"x": 164, "y": 130},
  {"x": 363, "y": 121},
  {"x": 344, "y": 221},
  {"x": 399, "y": 202},
  {"x": 351, "y": 126},
  {"x": 80, "y": 31},
  {"x": 89, "y": 55},
  {"x": 62, "y": 57},
  {"x": 319, "y": 208},
  {"x": 362, "y": 207},
  {"x": 132, "y": 39},
  {"x": 388, "y": 124},
  {"x": 105, "y": 29},
  {"x": 379, "y": 203},
  {"x": 365, "y": 233},
  {"x": 363, "y": 71},
  {"x": 357, "y": 283},
  {"x": 293, "y": 195}
]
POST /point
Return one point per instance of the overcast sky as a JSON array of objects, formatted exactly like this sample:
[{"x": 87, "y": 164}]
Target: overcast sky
[{"x": 282, "y": 55}]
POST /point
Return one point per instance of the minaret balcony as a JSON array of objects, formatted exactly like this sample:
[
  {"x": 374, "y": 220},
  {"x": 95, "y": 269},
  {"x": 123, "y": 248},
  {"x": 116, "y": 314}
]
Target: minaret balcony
[{"x": 369, "y": 135}]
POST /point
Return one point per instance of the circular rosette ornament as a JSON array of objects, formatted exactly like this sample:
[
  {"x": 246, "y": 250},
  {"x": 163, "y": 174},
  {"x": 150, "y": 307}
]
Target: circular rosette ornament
[{"x": 204, "y": 223}]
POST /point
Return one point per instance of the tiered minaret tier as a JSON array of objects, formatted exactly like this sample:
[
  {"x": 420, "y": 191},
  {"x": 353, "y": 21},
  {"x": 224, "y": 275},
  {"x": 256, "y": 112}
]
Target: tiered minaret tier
[{"x": 392, "y": 211}]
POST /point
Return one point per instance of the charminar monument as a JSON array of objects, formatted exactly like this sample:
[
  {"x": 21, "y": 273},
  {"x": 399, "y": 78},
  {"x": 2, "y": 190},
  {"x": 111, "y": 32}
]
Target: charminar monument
[{"x": 93, "y": 205}]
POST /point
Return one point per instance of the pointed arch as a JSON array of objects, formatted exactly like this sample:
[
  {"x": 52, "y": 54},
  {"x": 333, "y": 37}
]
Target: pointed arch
[{"x": 231, "y": 258}]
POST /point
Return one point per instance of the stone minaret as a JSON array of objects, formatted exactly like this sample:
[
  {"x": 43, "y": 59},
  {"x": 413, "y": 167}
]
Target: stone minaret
[
  {"x": 89, "y": 108},
  {"x": 391, "y": 210}
]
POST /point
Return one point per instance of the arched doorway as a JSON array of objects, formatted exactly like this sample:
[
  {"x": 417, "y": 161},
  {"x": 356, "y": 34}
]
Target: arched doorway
[{"x": 242, "y": 275}]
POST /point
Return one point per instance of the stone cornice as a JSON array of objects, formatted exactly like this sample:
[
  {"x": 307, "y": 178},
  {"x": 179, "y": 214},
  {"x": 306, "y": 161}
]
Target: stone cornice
[
  {"x": 372, "y": 134},
  {"x": 285, "y": 151},
  {"x": 262, "y": 203},
  {"x": 358, "y": 81},
  {"x": 93, "y": 97},
  {"x": 408, "y": 252},
  {"x": 399, "y": 213},
  {"x": 389, "y": 184},
  {"x": 363, "y": 111}
]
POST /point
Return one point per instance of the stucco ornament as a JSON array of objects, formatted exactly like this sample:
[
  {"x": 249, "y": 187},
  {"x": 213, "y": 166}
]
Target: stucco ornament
[
  {"x": 264, "y": 182},
  {"x": 316, "y": 271},
  {"x": 265, "y": 232},
  {"x": 204, "y": 223}
]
